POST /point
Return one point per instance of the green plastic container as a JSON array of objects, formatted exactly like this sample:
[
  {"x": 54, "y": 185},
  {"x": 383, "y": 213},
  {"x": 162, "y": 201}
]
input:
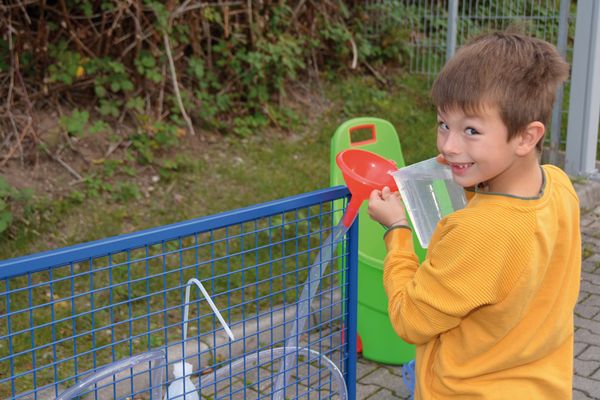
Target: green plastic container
[{"x": 379, "y": 341}]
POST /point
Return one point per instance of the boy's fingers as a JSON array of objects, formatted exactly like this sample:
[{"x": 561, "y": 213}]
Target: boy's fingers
[
  {"x": 441, "y": 159},
  {"x": 385, "y": 193},
  {"x": 375, "y": 195}
]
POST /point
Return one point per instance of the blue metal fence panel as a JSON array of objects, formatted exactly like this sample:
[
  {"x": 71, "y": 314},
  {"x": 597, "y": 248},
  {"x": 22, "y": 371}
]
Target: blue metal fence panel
[{"x": 69, "y": 314}]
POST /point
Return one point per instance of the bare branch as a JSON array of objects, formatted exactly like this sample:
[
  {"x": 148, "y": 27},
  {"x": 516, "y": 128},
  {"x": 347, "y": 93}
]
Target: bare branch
[
  {"x": 20, "y": 4},
  {"x": 176, "y": 84},
  {"x": 17, "y": 145},
  {"x": 57, "y": 158},
  {"x": 12, "y": 63},
  {"x": 354, "y": 53}
]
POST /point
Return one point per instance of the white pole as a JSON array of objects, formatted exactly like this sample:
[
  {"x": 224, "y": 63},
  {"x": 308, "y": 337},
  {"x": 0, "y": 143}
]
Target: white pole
[
  {"x": 584, "y": 107},
  {"x": 561, "y": 45},
  {"x": 452, "y": 28}
]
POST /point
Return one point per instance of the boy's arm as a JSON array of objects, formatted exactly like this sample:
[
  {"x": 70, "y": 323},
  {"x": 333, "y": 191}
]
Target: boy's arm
[{"x": 466, "y": 267}]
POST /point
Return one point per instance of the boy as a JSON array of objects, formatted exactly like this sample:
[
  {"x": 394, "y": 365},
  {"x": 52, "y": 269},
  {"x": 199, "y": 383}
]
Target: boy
[{"x": 491, "y": 307}]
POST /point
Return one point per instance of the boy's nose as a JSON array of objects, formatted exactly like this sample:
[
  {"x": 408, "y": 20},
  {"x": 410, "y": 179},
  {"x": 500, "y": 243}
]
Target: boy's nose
[{"x": 449, "y": 143}]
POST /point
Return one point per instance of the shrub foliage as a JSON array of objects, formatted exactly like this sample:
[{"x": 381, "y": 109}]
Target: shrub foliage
[{"x": 215, "y": 64}]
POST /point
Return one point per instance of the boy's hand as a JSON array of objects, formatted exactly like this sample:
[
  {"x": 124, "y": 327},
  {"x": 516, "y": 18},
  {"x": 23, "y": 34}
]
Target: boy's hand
[{"x": 387, "y": 208}]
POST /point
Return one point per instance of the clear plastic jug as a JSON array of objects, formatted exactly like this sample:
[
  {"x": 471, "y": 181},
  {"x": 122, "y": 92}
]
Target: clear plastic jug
[{"x": 429, "y": 194}]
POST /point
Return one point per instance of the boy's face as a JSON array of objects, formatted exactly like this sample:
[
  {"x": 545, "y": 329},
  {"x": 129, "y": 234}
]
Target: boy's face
[{"x": 477, "y": 149}]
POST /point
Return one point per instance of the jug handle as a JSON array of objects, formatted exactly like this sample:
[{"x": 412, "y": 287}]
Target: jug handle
[{"x": 363, "y": 127}]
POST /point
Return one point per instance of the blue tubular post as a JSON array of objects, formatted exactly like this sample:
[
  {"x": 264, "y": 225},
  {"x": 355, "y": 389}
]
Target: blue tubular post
[{"x": 352, "y": 307}]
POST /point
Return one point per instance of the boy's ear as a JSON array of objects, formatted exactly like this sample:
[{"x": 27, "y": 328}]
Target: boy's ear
[{"x": 529, "y": 138}]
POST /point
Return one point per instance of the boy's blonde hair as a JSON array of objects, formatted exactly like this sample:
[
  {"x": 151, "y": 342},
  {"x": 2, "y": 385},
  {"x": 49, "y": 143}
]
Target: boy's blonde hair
[{"x": 514, "y": 72}]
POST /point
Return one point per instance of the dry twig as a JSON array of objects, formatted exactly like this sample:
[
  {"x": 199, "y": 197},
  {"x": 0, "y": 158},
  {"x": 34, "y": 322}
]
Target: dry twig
[
  {"x": 187, "y": 119},
  {"x": 376, "y": 74},
  {"x": 12, "y": 150},
  {"x": 57, "y": 158}
]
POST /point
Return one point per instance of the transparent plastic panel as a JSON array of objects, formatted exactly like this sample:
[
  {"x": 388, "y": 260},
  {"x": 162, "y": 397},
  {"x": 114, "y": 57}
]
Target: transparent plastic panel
[{"x": 429, "y": 194}]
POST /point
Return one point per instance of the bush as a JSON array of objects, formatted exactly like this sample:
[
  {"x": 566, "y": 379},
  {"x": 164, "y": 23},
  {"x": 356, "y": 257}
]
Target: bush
[{"x": 122, "y": 58}]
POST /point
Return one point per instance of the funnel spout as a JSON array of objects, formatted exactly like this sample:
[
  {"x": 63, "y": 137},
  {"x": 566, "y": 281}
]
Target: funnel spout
[
  {"x": 352, "y": 211},
  {"x": 363, "y": 172}
]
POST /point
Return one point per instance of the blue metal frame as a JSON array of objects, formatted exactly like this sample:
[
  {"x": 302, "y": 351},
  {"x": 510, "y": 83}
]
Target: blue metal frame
[
  {"x": 69, "y": 312},
  {"x": 352, "y": 309}
]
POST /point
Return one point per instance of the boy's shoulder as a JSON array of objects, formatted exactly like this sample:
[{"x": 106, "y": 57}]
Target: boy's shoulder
[
  {"x": 494, "y": 215},
  {"x": 559, "y": 178},
  {"x": 486, "y": 230},
  {"x": 491, "y": 220},
  {"x": 560, "y": 187}
]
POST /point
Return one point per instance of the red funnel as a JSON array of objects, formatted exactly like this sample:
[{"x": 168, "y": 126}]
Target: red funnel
[{"x": 363, "y": 172}]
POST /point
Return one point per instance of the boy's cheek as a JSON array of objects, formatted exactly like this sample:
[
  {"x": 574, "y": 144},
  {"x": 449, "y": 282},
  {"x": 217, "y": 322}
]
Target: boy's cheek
[{"x": 438, "y": 144}]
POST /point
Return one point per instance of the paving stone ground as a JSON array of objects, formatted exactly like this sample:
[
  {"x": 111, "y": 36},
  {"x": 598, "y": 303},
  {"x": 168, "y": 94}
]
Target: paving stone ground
[{"x": 378, "y": 381}]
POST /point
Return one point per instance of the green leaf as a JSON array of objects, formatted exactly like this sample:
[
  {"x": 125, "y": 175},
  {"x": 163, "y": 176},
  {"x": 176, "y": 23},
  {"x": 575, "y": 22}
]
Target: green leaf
[
  {"x": 5, "y": 220},
  {"x": 107, "y": 6},
  {"x": 154, "y": 76},
  {"x": 148, "y": 61},
  {"x": 109, "y": 107},
  {"x": 5, "y": 188},
  {"x": 135, "y": 103},
  {"x": 126, "y": 85},
  {"x": 75, "y": 123},
  {"x": 99, "y": 126},
  {"x": 117, "y": 67},
  {"x": 196, "y": 67},
  {"x": 77, "y": 197},
  {"x": 87, "y": 9},
  {"x": 100, "y": 91}
]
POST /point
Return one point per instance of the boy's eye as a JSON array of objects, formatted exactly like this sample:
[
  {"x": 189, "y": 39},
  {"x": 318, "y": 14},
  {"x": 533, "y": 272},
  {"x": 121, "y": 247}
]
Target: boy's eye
[
  {"x": 471, "y": 131},
  {"x": 443, "y": 125}
]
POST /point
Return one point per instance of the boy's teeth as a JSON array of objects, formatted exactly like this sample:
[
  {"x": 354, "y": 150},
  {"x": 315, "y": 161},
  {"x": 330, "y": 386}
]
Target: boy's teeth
[{"x": 461, "y": 166}]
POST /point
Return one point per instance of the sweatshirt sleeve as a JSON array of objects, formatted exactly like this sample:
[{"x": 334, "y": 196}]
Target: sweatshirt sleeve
[{"x": 469, "y": 264}]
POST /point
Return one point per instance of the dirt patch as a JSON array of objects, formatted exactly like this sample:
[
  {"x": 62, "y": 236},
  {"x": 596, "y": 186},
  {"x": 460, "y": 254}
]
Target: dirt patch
[{"x": 68, "y": 161}]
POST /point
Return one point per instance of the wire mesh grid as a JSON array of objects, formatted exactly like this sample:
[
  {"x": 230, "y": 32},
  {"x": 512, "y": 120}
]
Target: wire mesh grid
[
  {"x": 423, "y": 24},
  {"x": 68, "y": 313}
]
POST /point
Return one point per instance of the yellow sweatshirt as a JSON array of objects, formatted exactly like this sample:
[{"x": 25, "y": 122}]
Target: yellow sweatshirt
[{"x": 491, "y": 307}]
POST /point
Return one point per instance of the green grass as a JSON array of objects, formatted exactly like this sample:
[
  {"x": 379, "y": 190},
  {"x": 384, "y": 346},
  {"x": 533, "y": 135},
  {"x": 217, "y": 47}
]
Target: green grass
[{"x": 587, "y": 252}]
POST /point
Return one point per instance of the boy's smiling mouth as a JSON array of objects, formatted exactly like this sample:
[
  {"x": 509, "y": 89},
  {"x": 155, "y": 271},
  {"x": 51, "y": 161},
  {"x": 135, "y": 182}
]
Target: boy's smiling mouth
[{"x": 459, "y": 168}]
